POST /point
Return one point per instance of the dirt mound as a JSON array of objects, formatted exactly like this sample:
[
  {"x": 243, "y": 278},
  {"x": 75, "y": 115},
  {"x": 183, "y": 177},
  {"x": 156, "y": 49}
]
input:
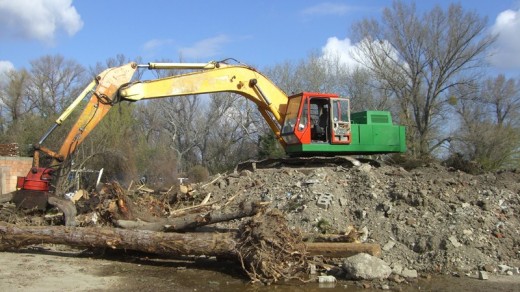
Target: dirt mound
[{"x": 430, "y": 218}]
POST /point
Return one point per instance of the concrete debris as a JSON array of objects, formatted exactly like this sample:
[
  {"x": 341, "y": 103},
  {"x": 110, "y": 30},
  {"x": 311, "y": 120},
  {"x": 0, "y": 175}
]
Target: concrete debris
[
  {"x": 483, "y": 275},
  {"x": 454, "y": 241},
  {"x": 325, "y": 200}
]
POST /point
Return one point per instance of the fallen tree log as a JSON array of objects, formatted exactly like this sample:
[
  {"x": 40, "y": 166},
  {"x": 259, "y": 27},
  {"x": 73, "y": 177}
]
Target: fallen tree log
[
  {"x": 160, "y": 243},
  {"x": 192, "y": 221}
]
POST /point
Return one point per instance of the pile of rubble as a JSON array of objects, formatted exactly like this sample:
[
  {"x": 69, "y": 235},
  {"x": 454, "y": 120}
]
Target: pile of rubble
[{"x": 428, "y": 220}]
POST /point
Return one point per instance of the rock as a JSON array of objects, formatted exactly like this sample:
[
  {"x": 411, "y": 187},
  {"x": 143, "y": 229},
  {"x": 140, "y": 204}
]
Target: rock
[
  {"x": 363, "y": 234},
  {"x": 409, "y": 273},
  {"x": 361, "y": 214},
  {"x": 467, "y": 232},
  {"x": 483, "y": 275},
  {"x": 454, "y": 241},
  {"x": 326, "y": 279},
  {"x": 387, "y": 208},
  {"x": 389, "y": 245},
  {"x": 397, "y": 269},
  {"x": 311, "y": 181},
  {"x": 396, "y": 278},
  {"x": 365, "y": 167},
  {"x": 411, "y": 221},
  {"x": 504, "y": 268},
  {"x": 489, "y": 268},
  {"x": 366, "y": 267}
]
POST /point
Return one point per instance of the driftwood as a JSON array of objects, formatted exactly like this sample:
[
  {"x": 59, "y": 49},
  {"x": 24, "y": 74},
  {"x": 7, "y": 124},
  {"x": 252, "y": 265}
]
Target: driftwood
[{"x": 191, "y": 221}]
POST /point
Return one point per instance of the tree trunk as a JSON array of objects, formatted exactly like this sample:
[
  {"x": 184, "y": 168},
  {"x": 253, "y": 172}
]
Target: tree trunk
[{"x": 160, "y": 243}]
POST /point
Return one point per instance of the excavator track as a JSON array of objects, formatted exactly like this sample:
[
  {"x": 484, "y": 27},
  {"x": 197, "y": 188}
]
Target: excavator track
[{"x": 306, "y": 162}]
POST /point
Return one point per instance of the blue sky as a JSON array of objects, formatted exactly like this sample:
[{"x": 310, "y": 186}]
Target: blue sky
[{"x": 259, "y": 33}]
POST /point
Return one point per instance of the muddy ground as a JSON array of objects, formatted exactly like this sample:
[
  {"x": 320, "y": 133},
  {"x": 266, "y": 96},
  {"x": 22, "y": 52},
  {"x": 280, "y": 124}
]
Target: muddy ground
[{"x": 445, "y": 224}]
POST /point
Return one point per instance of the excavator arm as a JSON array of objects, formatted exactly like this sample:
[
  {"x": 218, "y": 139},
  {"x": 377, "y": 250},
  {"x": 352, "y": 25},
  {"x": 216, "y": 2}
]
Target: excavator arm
[
  {"x": 114, "y": 85},
  {"x": 215, "y": 77},
  {"x": 104, "y": 91}
]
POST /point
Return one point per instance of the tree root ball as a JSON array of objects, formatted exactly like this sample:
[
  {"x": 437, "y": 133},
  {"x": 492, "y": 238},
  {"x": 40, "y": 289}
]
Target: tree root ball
[{"x": 270, "y": 251}]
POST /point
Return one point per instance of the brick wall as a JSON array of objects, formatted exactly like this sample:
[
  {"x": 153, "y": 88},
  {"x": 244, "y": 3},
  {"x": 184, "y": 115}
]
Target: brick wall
[{"x": 10, "y": 169}]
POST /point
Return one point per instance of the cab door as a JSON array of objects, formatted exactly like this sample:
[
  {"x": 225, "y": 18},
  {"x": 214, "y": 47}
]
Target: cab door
[
  {"x": 296, "y": 126},
  {"x": 340, "y": 118}
]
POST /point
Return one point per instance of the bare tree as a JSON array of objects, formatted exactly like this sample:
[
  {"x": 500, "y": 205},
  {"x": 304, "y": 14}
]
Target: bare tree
[
  {"x": 13, "y": 94},
  {"x": 489, "y": 132},
  {"x": 366, "y": 92},
  {"x": 502, "y": 96},
  {"x": 182, "y": 122},
  {"x": 235, "y": 125},
  {"x": 419, "y": 57},
  {"x": 55, "y": 81}
]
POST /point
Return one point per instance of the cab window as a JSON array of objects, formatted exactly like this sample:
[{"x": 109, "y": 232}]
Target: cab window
[{"x": 291, "y": 115}]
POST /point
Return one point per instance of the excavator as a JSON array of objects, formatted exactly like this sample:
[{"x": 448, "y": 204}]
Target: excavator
[{"x": 306, "y": 124}]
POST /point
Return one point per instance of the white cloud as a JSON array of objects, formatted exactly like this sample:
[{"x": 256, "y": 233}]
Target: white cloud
[
  {"x": 5, "y": 66},
  {"x": 38, "y": 19},
  {"x": 155, "y": 44},
  {"x": 353, "y": 56},
  {"x": 327, "y": 8},
  {"x": 507, "y": 25},
  {"x": 341, "y": 50},
  {"x": 205, "y": 48}
]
